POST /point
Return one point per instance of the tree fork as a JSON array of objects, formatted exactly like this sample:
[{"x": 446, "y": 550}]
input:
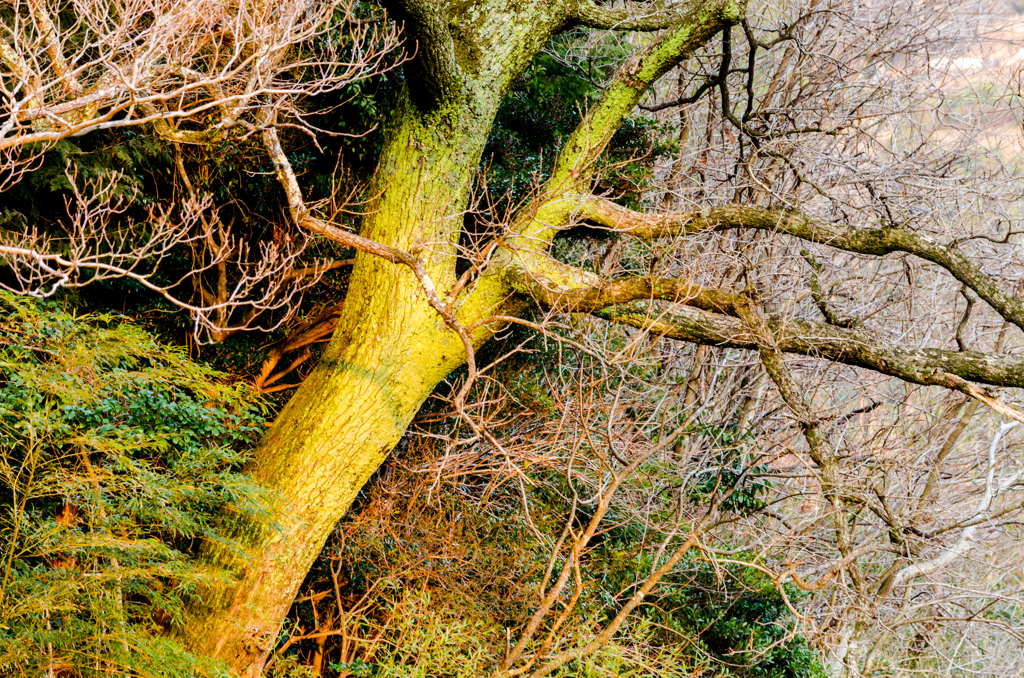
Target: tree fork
[{"x": 391, "y": 347}]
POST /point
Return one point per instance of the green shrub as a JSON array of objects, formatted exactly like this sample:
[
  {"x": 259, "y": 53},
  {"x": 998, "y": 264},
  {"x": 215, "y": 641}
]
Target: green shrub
[{"x": 116, "y": 456}]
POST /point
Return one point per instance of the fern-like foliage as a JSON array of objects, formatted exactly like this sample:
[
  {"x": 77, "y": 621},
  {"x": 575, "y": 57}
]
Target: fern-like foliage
[{"x": 116, "y": 455}]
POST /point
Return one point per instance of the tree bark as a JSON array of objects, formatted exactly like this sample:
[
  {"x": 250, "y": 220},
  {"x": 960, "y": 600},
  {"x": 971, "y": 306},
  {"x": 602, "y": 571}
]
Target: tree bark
[
  {"x": 389, "y": 351},
  {"x": 390, "y": 348}
]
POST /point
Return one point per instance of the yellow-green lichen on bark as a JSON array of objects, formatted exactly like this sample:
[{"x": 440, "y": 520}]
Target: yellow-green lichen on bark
[
  {"x": 576, "y": 162},
  {"x": 391, "y": 348}
]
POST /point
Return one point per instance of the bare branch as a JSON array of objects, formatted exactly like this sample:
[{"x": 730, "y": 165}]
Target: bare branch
[
  {"x": 969, "y": 538},
  {"x": 196, "y": 70}
]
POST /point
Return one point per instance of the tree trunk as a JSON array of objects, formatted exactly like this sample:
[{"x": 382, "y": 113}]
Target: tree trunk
[
  {"x": 319, "y": 453},
  {"x": 391, "y": 348},
  {"x": 389, "y": 351}
]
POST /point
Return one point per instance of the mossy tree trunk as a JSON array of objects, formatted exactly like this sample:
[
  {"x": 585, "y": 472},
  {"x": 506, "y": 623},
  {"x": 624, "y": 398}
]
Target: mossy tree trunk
[
  {"x": 389, "y": 351},
  {"x": 390, "y": 348}
]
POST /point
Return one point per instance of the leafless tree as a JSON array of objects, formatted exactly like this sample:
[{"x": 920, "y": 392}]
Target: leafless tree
[{"x": 840, "y": 236}]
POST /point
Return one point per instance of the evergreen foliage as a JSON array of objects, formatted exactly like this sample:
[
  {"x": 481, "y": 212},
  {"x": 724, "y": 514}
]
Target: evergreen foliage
[{"x": 116, "y": 456}]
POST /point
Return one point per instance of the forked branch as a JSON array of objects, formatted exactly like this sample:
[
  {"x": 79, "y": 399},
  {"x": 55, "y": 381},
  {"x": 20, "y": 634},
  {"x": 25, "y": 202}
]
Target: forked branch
[
  {"x": 857, "y": 347},
  {"x": 870, "y": 241}
]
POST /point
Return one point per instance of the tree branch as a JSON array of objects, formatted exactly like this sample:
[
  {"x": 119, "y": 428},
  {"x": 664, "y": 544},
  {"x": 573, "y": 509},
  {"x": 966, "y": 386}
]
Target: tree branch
[
  {"x": 297, "y": 208},
  {"x": 637, "y": 301},
  {"x": 871, "y": 241},
  {"x": 697, "y": 22},
  {"x": 961, "y": 344},
  {"x": 969, "y": 538},
  {"x": 819, "y": 297},
  {"x": 48, "y": 32},
  {"x": 859, "y": 348},
  {"x": 654, "y": 17},
  {"x": 179, "y": 64},
  {"x": 553, "y": 284},
  {"x": 724, "y": 319}
]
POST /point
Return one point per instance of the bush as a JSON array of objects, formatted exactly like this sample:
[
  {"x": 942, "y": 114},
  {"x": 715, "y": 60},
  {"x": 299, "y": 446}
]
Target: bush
[{"x": 116, "y": 456}]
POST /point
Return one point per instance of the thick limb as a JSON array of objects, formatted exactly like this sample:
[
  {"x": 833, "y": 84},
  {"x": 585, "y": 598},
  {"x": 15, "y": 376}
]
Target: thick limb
[
  {"x": 870, "y": 241},
  {"x": 716, "y": 317},
  {"x": 860, "y": 348}
]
